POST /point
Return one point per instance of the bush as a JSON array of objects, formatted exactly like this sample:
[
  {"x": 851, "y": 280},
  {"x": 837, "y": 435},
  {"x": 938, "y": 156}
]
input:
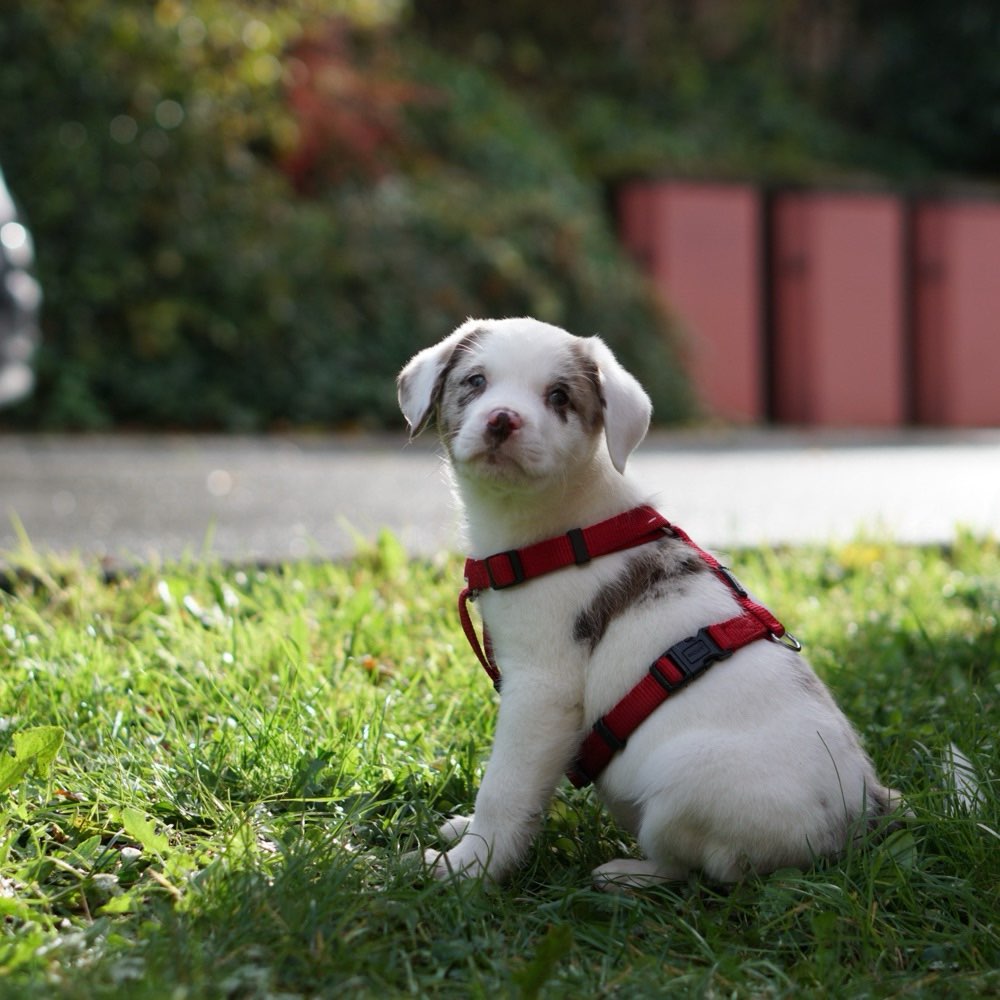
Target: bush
[
  {"x": 189, "y": 284},
  {"x": 806, "y": 91}
]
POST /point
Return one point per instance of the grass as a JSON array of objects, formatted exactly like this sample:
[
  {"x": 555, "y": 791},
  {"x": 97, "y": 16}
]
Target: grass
[{"x": 247, "y": 756}]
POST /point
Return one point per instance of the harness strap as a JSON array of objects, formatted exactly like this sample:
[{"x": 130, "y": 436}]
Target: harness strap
[
  {"x": 576, "y": 547},
  {"x": 485, "y": 655},
  {"x": 745, "y": 601},
  {"x": 668, "y": 673},
  {"x": 671, "y": 671}
]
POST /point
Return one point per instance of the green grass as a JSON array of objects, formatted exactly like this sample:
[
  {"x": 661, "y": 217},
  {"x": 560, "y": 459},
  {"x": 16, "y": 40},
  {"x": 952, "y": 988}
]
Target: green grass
[{"x": 248, "y": 756}]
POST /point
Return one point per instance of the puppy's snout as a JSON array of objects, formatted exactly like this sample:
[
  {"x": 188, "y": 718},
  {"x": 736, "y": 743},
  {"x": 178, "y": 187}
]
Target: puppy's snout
[{"x": 501, "y": 423}]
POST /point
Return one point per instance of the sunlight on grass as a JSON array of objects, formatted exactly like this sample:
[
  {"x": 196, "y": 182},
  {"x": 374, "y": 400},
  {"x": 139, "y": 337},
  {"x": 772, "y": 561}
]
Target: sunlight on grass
[{"x": 212, "y": 777}]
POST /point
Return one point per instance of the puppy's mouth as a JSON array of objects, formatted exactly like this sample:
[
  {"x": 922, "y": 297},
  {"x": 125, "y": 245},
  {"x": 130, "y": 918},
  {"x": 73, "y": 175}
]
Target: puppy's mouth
[
  {"x": 500, "y": 456},
  {"x": 496, "y": 460}
]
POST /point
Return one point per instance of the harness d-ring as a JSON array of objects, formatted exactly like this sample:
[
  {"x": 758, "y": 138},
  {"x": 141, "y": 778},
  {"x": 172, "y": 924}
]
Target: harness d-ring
[
  {"x": 788, "y": 641},
  {"x": 677, "y": 666}
]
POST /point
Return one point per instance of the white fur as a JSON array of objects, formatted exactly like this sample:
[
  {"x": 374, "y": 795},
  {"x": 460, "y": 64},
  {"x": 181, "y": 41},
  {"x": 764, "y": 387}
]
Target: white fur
[{"x": 750, "y": 768}]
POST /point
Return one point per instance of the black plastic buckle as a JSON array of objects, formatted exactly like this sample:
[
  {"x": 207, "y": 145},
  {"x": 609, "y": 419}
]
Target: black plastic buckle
[
  {"x": 581, "y": 554},
  {"x": 691, "y": 656},
  {"x": 516, "y": 567},
  {"x": 613, "y": 740}
]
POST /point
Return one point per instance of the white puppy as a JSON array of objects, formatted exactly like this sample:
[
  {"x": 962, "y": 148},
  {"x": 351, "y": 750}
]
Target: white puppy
[{"x": 751, "y": 766}]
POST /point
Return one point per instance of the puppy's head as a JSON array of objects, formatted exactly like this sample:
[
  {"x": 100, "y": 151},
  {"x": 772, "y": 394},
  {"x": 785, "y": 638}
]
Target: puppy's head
[{"x": 519, "y": 402}]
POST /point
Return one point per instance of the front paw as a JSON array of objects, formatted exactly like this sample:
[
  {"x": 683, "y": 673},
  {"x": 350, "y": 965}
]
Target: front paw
[
  {"x": 467, "y": 859},
  {"x": 454, "y": 829}
]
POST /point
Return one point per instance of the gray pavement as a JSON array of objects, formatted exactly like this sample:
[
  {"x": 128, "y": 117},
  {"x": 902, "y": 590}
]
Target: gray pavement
[{"x": 274, "y": 498}]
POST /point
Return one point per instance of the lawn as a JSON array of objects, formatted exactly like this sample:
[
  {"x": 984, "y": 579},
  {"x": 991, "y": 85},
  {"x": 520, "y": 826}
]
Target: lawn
[{"x": 211, "y": 777}]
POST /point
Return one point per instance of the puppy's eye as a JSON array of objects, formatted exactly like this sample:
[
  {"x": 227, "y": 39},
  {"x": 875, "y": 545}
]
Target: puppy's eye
[
  {"x": 558, "y": 397},
  {"x": 476, "y": 380}
]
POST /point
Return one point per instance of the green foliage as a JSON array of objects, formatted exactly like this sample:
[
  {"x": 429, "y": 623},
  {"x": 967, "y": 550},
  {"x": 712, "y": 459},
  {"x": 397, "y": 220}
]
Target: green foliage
[
  {"x": 804, "y": 91},
  {"x": 927, "y": 77},
  {"x": 188, "y": 285},
  {"x": 250, "y": 756},
  {"x": 34, "y": 750}
]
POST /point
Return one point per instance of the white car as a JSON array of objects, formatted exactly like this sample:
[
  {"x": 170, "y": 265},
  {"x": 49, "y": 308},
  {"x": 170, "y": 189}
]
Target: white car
[{"x": 20, "y": 298}]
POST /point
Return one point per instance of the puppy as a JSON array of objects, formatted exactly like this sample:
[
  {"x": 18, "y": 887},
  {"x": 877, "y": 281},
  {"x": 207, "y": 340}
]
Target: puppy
[{"x": 750, "y": 766}]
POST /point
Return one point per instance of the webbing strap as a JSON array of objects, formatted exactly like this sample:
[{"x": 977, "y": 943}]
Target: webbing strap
[
  {"x": 670, "y": 672},
  {"x": 745, "y": 601},
  {"x": 673, "y": 670},
  {"x": 485, "y": 655},
  {"x": 576, "y": 547}
]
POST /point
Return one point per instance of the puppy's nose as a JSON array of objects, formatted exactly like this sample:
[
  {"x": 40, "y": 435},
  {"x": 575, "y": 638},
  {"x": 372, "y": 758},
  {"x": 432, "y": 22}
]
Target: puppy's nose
[{"x": 501, "y": 423}]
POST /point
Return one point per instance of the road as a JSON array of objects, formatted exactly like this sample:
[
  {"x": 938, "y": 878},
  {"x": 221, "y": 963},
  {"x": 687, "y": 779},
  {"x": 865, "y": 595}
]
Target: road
[{"x": 275, "y": 498}]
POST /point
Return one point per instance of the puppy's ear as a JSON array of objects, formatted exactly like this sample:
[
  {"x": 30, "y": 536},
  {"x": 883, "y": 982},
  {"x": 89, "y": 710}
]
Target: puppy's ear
[
  {"x": 420, "y": 382},
  {"x": 627, "y": 408}
]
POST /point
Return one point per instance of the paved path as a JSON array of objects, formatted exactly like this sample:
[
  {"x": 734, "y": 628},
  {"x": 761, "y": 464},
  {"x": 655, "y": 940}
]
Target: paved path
[{"x": 274, "y": 498}]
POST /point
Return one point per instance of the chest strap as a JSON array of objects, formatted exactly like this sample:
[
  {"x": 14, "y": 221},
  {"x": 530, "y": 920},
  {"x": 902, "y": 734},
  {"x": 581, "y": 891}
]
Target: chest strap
[
  {"x": 669, "y": 673},
  {"x": 577, "y": 547}
]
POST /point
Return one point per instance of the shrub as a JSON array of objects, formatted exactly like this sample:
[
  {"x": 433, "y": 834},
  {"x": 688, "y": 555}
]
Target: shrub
[{"x": 189, "y": 284}]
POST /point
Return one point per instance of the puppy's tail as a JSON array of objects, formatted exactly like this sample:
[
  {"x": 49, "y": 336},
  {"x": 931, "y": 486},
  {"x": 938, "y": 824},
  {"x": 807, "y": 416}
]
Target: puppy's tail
[
  {"x": 963, "y": 795},
  {"x": 962, "y": 784}
]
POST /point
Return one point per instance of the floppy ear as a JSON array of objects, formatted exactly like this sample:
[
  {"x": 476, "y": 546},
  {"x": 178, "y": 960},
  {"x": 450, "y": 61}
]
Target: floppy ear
[
  {"x": 419, "y": 383},
  {"x": 627, "y": 408}
]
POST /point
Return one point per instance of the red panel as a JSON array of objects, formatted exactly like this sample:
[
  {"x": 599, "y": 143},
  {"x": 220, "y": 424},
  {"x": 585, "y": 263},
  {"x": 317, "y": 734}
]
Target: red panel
[
  {"x": 635, "y": 222},
  {"x": 701, "y": 244},
  {"x": 838, "y": 309},
  {"x": 957, "y": 317}
]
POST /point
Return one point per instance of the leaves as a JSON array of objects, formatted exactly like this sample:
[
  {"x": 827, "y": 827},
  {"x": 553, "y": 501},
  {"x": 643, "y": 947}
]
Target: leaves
[
  {"x": 552, "y": 949},
  {"x": 141, "y": 829},
  {"x": 180, "y": 268},
  {"x": 34, "y": 749}
]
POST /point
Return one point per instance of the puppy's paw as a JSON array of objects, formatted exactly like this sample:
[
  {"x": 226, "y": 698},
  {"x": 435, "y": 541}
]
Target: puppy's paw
[
  {"x": 467, "y": 859},
  {"x": 454, "y": 829},
  {"x": 624, "y": 874}
]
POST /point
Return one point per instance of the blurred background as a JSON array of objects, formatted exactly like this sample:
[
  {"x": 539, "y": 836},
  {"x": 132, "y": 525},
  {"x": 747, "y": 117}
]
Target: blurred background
[{"x": 246, "y": 216}]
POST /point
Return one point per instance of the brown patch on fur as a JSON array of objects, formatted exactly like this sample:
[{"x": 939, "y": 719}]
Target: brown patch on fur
[
  {"x": 450, "y": 410},
  {"x": 433, "y": 410},
  {"x": 651, "y": 575},
  {"x": 581, "y": 381}
]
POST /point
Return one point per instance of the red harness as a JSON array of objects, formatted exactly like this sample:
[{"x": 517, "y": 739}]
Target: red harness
[{"x": 671, "y": 671}]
